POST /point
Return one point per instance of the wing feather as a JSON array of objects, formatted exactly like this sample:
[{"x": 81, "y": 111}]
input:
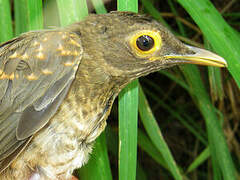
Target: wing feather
[{"x": 36, "y": 71}]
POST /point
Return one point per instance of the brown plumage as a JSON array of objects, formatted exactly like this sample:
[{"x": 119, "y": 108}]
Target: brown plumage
[{"x": 58, "y": 86}]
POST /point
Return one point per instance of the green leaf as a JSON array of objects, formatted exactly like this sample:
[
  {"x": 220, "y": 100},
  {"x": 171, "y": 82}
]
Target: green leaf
[
  {"x": 99, "y": 6},
  {"x": 215, "y": 80},
  {"x": 28, "y": 15},
  {"x": 217, "y": 143},
  {"x": 199, "y": 160},
  {"x": 128, "y": 116},
  {"x": 155, "y": 135},
  {"x": 6, "y": 31},
  {"x": 145, "y": 143},
  {"x": 127, "y": 5},
  {"x": 128, "y": 103},
  {"x": 72, "y": 11}
]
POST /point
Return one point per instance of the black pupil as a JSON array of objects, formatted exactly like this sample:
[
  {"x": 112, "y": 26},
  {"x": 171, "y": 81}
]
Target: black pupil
[{"x": 145, "y": 43}]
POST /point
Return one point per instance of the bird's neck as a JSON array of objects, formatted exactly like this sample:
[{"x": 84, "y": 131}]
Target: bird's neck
[{"x": 91, "y": 97}]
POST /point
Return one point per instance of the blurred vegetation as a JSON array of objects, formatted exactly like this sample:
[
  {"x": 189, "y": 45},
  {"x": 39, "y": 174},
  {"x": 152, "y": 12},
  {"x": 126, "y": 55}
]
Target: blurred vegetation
[{"x": 195, "y": 107}]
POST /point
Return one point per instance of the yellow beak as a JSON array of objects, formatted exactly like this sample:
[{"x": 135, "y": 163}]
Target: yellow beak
[{"x": 201, "y": 57}]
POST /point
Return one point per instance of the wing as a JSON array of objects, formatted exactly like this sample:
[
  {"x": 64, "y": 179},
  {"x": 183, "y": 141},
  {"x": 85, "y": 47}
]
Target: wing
[{"x": 36, "y": 71}]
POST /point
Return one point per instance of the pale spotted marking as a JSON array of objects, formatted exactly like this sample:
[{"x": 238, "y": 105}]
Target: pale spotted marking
[
  {"x": 40, "y": 56},
  {"x": 64, "y": 36},
  {"x": 11, "y": 76},
  {"x": 75, "y": 53},
  {"x": 68, "y": 63},
  {"x": 24, "y": 56},
  {"x": 47, "y": 72},
  {"x": 60, "y": 47},
  {"x": 66, "y": 53},
  {"x": 36, "y": 43},
  {"x": 14, "y": 55},
  {"x": 69, "y": 53},
  {"x": 45, "y": 39},
  {"x": 5, "y": 76},
  {"x": 40, "y": 48},
  {"x": 32, "y": 77},
  {"x": 74, "y": 43},
  {"x": 72, "y": 35}
]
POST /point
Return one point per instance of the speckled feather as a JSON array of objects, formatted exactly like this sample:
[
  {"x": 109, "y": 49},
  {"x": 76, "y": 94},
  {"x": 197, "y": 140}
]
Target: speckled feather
[{"x": 57, "y": 88}]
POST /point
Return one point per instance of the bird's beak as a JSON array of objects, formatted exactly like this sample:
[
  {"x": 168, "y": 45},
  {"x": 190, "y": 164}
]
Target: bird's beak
[{"x": 199, "y": 56}]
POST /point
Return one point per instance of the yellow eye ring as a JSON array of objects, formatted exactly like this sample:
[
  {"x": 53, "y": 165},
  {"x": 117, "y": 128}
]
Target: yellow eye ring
[{"x": 144, "y": 49}]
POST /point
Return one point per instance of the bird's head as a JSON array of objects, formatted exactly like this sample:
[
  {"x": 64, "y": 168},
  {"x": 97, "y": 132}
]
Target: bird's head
[{"x": 130, "y": 45}]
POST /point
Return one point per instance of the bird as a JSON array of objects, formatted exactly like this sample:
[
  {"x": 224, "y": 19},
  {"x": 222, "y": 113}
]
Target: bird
[{"x": 57, "y": 87}]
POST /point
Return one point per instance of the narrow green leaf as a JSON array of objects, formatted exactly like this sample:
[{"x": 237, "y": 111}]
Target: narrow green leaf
[
  {"x": 175, "y": 79},
  {"x": 155, "y": 134},
  {"x": 141, "y": 175},
  {"x": 215, "y": 80},
  {"x": 178, "y": 116},
  {"x": 145, "y": 144},
  {"x": 199, "y": 160},
  {"x": 128, "y": 103},
  {"x": 154, "y": 12},
  {"x": 6, "y": 31},
  {"x": 128, "y": 116},
  {"x": 99, "y": 6},
  {"x": 217, "y": 143},
  {"x": 127, "y": 5},
  {"x": 72, "y": 11},
  {"x": 28, "y": 15},
  {"x": 180, "y": 25},
  {"x": 227, "y": 43}
]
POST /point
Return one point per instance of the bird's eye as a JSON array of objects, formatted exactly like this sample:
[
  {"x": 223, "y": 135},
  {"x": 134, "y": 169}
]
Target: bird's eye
[{"x": 144, "y": 43}]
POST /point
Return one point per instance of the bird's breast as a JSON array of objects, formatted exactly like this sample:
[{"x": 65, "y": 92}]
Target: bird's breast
[{"x": 65, "y": 143}]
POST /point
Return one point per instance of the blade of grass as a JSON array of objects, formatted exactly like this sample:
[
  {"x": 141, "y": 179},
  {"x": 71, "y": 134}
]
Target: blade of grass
[
  {"x": 154, "y": 12},
  {"x": 141, "y": 175},
  {"x": 112, "y": 144},
  {"x": 175, "y": 79},
  {"x": 72, "y": 11},
  {"x": 177, "y": 115},
  {"x": 6, "y": 31},
  {"x": 155, "y": 134},
  {"x": 180, "y": 26},
  {"x": 215, "y": 80},
  {"x": 224, "y": 40},
  {"x": 145, "y": 144},
  {"x": 128, "y": 102},
  {"x": 128, "y": 116},
  {"x": 99, "y": 6},
  {"x": 217, "y": 143},
  {"x": 28, "y": 15},
  {"x": 127, "y": 5},
  {"x": 203, "y": 156}
]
